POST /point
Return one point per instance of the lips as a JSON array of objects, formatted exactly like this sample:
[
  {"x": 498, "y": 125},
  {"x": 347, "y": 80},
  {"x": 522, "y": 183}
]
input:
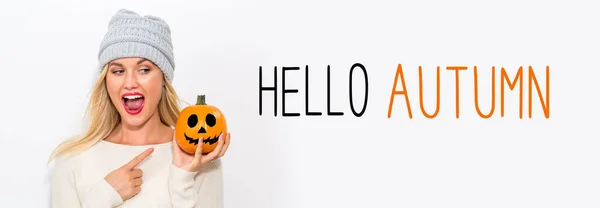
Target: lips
[{"x": 133, "y": 102}]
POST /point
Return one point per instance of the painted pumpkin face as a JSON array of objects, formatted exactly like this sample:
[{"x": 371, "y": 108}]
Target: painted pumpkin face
[{"x": 200, "y": 124}]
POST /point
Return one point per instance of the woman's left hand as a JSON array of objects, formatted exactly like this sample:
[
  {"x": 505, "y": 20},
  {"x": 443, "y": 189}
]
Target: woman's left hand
[{"x": 192, "y": 163}]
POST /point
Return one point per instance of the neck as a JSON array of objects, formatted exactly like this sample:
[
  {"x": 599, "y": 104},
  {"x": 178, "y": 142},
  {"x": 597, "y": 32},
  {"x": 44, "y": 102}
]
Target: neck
[{"x": 153, "y": 131}]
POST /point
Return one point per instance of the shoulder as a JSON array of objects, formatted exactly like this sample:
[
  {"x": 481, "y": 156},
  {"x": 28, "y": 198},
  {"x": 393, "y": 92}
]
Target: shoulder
[
  {"x": 64, "y": 164},
  {"x": 62, "y": 169},
  {"x": 71, "y": 161},
  {"x": 66, "y": 169}
]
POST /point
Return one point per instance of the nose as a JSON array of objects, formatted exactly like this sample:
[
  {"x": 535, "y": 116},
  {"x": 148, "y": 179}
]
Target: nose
[
  {"x": 131, "y": 81},
  {"x": 202, "y": 130}
]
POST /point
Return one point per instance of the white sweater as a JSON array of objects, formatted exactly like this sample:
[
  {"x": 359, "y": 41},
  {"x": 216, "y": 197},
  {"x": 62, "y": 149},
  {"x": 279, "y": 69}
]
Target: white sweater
[{"x": 78, "y": 181}]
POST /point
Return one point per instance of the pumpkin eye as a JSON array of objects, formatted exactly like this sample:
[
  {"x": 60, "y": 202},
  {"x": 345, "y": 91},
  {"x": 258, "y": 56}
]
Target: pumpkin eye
[
  {"x": 211, "y": 120},
  {"x": 192, "y": 120}
]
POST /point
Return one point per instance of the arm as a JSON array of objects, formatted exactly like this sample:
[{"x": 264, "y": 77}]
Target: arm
[
  {"x": 63, "y": 192},
  {"x": 102, "y": 195},
  {"x": 202, "y": 189},
  {"x": 183, "y": 187},
  {"x": 119, "y": 185},
  {"x": 196, "y": 181}
]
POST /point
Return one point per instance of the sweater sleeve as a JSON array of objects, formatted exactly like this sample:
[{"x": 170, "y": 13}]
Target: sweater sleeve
[
  {"x": 64, "y": 192},
  {"x": 202, "y": 189},
  {"x": 102, "y": 195},
  {"x": 62, "y": 186},
  {"x": 182, "y": 188}
]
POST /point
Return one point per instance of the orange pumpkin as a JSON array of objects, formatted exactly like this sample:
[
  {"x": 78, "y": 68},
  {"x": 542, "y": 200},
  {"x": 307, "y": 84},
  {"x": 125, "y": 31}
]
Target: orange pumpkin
[{"x": 200, "y": 121}]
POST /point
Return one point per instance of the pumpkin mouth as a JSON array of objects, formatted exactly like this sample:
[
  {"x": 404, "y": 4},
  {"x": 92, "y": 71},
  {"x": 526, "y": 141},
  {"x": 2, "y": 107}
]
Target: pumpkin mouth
[
  {"x": 209, "y": 140},
  {"x": 191, "y": 140}
]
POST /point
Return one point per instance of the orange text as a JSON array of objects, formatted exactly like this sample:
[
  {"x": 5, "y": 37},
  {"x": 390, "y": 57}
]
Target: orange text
[{"x": 506, "y": 82}]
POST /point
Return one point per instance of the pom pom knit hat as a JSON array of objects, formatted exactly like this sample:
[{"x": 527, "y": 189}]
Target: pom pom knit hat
[{"x": 132, "y": 35}]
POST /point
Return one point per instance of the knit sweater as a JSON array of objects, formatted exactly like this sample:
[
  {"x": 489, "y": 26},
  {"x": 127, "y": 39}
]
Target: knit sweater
[{"x": 78, "y": 181}]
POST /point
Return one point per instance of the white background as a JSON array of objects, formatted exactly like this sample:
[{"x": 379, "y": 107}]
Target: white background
[{"x": 345, "y": 161}]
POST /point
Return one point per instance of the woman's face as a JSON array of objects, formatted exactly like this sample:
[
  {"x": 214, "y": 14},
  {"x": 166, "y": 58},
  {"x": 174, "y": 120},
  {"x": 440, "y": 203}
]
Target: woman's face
[{"x": 135, "y": 87}]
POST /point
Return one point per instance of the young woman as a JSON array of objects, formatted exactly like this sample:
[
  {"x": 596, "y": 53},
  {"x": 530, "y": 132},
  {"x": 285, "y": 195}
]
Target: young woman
[{"x": 128, "y": 156}]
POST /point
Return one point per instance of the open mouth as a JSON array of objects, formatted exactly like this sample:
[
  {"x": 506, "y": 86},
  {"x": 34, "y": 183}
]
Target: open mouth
[
  {"x": 133, "y": 102},
  {"x": 209, "y": 140}
]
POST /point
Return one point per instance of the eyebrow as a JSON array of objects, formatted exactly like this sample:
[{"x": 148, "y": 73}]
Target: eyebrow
[
  {"x": 121, "y": 65},
  {"x": 141, "y": 61},
  {"x": 114, "y": 63}
]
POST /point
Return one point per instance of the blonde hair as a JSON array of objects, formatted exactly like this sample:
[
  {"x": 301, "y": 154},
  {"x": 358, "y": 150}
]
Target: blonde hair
[{"x": 104, "y": 117}]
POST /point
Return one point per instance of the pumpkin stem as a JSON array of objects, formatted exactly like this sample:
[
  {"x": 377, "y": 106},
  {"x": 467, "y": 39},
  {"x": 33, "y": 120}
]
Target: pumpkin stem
[{"x": 201, "y": 100}]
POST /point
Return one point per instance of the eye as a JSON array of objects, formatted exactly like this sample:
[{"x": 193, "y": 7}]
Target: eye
[
  {"x": 211, "y": 120},
  {"x": 144, "y": 70},
  {"x": 192, "y": 120},
  {"x": 117, "y": 71}
]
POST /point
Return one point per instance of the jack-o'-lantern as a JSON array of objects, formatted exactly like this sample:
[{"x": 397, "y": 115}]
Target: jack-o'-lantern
[{"x": 200, "y": 122}]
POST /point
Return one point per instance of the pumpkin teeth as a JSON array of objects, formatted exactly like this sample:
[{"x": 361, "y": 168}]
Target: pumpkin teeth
[
  {"x": 211, "y": 140},
  {"x": 191, "y": 140}
]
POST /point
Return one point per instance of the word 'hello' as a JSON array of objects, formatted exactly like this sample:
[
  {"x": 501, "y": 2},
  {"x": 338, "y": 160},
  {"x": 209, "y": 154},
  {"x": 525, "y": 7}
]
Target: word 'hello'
[
  {"x": 399, "y": 76},
  {"x": 284, "y": 90}
]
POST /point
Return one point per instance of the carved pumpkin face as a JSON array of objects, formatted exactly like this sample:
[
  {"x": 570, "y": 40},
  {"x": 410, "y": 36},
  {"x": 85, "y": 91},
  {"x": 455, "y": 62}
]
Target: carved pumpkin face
[{"x": 200, "y": 124}]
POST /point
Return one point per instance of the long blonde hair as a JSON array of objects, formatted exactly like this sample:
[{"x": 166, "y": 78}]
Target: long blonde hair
[{"x": 104, "y": 117}]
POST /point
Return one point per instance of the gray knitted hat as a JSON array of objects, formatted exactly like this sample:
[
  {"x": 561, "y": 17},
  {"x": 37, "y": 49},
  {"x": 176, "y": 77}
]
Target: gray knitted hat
[{"x": 131, "y": 35}]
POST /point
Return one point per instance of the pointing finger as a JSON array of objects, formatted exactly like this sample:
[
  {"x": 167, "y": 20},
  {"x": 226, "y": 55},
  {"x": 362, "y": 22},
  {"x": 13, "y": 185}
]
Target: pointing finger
[{"x": 138, "y": 159}]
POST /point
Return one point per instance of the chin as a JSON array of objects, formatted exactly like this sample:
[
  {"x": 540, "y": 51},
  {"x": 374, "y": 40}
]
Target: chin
[{"x": 133, "y": 120}]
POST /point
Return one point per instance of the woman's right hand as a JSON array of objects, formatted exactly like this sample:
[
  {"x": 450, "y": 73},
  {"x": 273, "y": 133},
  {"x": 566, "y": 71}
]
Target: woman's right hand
[{"x": 127, "y": 179}]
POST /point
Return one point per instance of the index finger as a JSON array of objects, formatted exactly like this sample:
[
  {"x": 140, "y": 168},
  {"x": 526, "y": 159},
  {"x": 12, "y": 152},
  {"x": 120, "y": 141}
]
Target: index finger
[
  {"x": 215, "y": 153},
  {"x": 138, "y": 159}
]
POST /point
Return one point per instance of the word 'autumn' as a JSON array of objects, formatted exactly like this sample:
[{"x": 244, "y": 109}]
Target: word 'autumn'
[{"x": 504, "y": 79}]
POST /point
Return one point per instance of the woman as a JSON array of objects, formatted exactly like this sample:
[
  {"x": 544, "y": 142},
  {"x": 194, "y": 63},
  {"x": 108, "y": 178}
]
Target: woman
[{"x": 128, "y": 156}]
